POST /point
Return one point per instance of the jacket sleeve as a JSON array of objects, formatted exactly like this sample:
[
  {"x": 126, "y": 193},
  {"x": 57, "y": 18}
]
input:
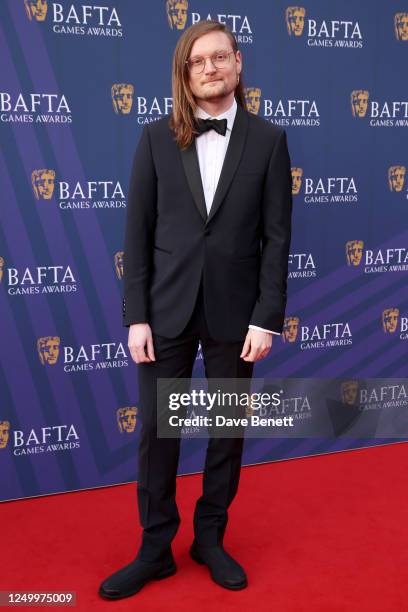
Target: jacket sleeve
[
  {"x": 139, "y": 233},
  {"x": 269, "y": 309}
]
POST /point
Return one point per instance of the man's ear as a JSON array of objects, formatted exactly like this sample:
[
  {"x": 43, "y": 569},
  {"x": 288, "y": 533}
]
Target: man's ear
[{"x": 239, "y": 57}]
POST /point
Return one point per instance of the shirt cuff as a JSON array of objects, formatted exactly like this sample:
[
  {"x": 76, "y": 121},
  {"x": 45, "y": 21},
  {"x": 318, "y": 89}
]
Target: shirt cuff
[{"x": 265, "y": 330}]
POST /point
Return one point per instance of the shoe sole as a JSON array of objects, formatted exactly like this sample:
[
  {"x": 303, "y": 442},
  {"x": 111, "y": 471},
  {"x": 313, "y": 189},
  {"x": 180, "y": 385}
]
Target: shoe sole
[
  {"x": 235, "y": 587},
  {"x": 161, "y": 576}
]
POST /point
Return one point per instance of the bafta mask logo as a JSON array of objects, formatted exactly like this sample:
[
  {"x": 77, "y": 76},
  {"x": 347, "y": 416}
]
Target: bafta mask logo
[
  {"x": 122, "y": 98},
  {"x": 349, "y": 392},
  {"x": 252, "y": 99},
  {"x": 43, "y": 183},
  {"x": 396, "y": 177},
  {"x": 249, "y": 410},
  {"x": 401, "y": 26},
  {"x": 354, "y": 252},
  {"x": 119, "y": 264},
  {"x": 390, "y": 320},
  {"x": 295, "y": 20},
  {"x": 359, "y": 102},
  {"x": 177, "y": 14},
  {"x": 36, "y": 9},
  {"x": 1, "y": 268},
  {"x": 290, "y": 329},
  {"x": 4, "y": 433},
  {"x": 48, "y": 349},
  {"x": 126, "y": 418},
  {"x": 297, "y": 174}
]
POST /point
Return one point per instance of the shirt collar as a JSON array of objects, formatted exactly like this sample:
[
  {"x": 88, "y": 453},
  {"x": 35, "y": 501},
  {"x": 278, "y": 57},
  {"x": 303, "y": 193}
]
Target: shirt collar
[{"x": 229, "y": 114}]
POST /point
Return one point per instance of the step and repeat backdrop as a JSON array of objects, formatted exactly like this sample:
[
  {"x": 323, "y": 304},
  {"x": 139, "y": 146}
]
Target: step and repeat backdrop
[{"x": 78, "y": 82}]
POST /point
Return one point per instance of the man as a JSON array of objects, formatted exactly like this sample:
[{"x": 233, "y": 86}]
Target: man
[{"x": 206, "y": 257}]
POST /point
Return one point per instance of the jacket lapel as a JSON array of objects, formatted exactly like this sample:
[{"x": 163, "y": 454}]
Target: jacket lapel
[
  {"x": 233, "y": 155},
  {"x": 189, "y": 158}
]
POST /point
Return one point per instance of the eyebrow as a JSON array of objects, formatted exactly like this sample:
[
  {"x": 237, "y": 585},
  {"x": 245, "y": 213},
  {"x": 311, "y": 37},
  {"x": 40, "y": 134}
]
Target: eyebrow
[{"x": 216, "y": 51}]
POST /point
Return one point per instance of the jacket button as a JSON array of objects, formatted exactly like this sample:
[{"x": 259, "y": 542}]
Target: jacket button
[{"x": 207, "y": 232}]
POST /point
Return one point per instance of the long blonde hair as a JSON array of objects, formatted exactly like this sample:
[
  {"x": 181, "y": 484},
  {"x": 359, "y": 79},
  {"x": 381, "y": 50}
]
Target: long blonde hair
[{"x": 182, "y": 118}]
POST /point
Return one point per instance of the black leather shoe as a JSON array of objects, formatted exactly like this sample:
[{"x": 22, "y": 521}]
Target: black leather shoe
[
  {"x": 224, "y": 570},
  {"x": 130, "y": 579}
]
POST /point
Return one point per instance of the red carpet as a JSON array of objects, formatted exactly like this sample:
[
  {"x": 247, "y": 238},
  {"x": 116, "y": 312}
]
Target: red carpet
[{"x": 326, "y": 533}]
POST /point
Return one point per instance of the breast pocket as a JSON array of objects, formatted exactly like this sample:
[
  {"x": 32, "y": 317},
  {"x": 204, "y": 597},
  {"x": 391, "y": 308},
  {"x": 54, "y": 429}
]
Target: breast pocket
[
  {"x": 251, "y": 179},
  {"x": 258, "y": 173},
  {"x": 162, "y": 250}
]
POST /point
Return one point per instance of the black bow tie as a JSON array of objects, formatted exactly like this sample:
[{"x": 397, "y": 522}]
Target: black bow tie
[{"x": 219, "y": 125}]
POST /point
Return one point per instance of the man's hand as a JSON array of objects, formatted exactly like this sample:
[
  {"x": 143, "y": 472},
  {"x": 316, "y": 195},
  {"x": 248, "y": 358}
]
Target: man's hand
[
  {"x": 257, "y": 345},
  {"x": 140, "y": 343}
]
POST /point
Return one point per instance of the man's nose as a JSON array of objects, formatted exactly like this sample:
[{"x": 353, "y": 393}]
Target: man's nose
[{"x": 208, "y": 66}]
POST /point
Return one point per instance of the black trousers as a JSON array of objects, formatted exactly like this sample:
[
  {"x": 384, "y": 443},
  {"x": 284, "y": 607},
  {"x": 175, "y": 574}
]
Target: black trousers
[{"x": 158, "y": 457}]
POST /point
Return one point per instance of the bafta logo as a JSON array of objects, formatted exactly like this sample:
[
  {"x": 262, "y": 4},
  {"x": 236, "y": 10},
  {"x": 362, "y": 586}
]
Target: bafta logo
[
  {"x": 122, "y": 98},
  {"x": 396, "y": 177},
  {"x": 43, "y": 183},
  {"x": 177, "y": 14},
  {"x": 36, "y": 9},
  {"x": 390, "y": 320},
  {"x": 126, "y": 418},
  {"x": 118, "y": 258},
  {"x": 354, "y": 252},
  {"x": 249, "y": 410},
  {"x": 252, "y": 99},
  {"x": 359, "y": 102},
  {"x": 290, "y": 329},
  {"x": 295, "y": 20},
  {"x": 349, "y": 391},
  {"x": 401, "y": 26},
  {"x": 4, "y": 433},
  {"x": 48, "y": 349},
  {"x": 1, "y": 268},
  {"x": 297, "y": 174}
]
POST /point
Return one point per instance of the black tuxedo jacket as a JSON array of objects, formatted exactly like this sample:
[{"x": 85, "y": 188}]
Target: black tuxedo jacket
[{"x": 241, "y": 248}]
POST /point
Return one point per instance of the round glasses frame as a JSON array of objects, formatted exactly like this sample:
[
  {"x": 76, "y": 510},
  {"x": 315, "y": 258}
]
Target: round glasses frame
[{"x": 213, "y": 61}]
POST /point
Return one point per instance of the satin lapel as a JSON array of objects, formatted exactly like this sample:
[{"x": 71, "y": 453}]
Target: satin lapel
[
  {"x": 192, "y": 170},
  {"x": 233, "y": 155},
  {"x": 231, "y": 160}
]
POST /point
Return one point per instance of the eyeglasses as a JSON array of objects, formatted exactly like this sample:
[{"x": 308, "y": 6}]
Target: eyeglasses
[{"x": 220, "y": 59}]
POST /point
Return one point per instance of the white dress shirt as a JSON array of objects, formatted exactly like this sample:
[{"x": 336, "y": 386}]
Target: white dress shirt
[{"x": 211, "y": 148}]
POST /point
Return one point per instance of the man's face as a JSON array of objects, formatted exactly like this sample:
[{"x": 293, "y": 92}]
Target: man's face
[{"x": 213, "y": 83}]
